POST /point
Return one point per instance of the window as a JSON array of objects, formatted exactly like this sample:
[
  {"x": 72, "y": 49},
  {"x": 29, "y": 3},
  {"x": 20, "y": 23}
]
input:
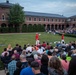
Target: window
[
  {"x": 34, "y": 19},
  {"x": 3, "y": 17},
  {"x": 39, "y": 19},
  {"x": 74, "y": 19},
  {"x": 29, "y": 19},
  {"x": 59, "y": 20},
  {"x": 62, "y": 20},
  {"x": 56, "y": 20},
  {"x": 44, "y": 19},
  {"x": 48, "y": 20},
  {"x": 52, "y": 19}
]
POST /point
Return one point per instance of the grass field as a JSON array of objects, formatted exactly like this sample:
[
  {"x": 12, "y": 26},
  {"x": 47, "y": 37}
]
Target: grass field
[{"x": 25, "y": 38}]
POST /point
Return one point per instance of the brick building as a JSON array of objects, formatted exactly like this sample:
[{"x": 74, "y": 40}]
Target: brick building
[{"x": 50, "y": 21}]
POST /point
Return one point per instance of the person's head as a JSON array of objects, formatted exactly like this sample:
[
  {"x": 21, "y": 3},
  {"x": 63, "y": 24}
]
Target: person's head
[
  {"x": 35, "y": 67},
  {"x": 9, "y": 46},
  {"x": 44, "y": 60},
  {"x": 64, "y": 57},
  {"x": 22, "y": 57},
  {"x": 18, "y": 64},
  {"x": 13, "y": 57},
  {"x": 55, "y": 63},
  {"x": 15, "y": 51},
  {"x": 5, "y": 49},
  {"x": 24, "y": 52},
  {"x": 17, "y": 45},
  {"x": 30, "y": 60},
  {"x": 49, "y": 53}
]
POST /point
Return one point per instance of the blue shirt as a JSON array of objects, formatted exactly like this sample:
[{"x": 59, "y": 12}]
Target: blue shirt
[
  {"x": 12, "y": 67},
  {"x": 27, "y": 71}
]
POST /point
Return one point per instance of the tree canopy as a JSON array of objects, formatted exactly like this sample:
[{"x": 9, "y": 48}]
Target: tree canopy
[{"x": 16, "y": 14}]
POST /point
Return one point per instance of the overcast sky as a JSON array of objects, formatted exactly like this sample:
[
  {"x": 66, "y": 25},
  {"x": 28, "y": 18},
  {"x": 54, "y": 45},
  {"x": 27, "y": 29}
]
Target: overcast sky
[{"x": 62, "y": 7}]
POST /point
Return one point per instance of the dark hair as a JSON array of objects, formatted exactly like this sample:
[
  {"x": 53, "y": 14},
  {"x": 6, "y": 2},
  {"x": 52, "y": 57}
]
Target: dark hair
[
  {"x": 5, "y": 49},
  {"x": 30, "y": 60},
  {"x": 49, "y": 53},
  {"x": 44, "y": 60},
  {"x": 64, "y": 58},
  {"x": 70, "y": 53},
  {"x": 18, "y": 64},
  {"x": 17, "y": 44},
  {"x": 56, "y": 64},
  {"x": 72, "y": 66},
  {"x": 35, "y": 65}
]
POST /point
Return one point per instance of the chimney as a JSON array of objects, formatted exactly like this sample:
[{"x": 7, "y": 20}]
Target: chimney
[{"x": 7, "y": 1}]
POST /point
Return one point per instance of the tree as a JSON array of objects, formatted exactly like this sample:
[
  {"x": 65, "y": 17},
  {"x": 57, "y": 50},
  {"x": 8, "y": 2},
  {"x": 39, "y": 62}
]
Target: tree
[{"x": 16, "y": 15}]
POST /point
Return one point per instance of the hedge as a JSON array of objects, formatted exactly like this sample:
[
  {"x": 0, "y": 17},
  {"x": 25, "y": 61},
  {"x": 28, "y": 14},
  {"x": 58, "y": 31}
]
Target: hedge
[{"x": 69, "y": 35}]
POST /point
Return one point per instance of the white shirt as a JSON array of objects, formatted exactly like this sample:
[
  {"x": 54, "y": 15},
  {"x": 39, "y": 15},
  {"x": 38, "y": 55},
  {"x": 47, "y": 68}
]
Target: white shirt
[
  {"x": 29, "y": 49},
  {"x": 40, "y": 51}
]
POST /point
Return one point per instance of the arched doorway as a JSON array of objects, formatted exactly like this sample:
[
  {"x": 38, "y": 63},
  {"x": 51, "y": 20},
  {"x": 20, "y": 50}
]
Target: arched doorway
[
  {"x": 62, "y": 27},
  {"x": 56, "y": 27},
  {"x": 10, "y": 27},
  {"x": 48, "y": 27},
  {"x": 45, "y": 26},
  {"x": 3, "y": 25},
  {"x": 17, "y": 28},
  {"x": 52, "y": 27},
  {"x": 67, "y": 26},
  {"x": 3, "y": 28}
]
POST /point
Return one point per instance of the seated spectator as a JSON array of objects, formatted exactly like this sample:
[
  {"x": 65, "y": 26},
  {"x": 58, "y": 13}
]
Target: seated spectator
[
  {"x": 16, "y": 54},
  {"x": 40, "y": 50},
  {"x": 27, "y": 70},
  {"x": 44, "y": 64},
  {"x": 49, "y": 55},
  {"x": 36, "y": 68},
  {"x": 44, "y": 44},
  {"x": 12, "y": 65},
  {"x": 55, "y": 67},
  {"x": 23, "y": 53},
  {"x": 36, "y": 58},
  {"x": 23, "y": 61},
  {"x": 9, "y": 48},
  {"x": 16, "y": 47},
  {"x": 29, "y": 48},
  {"x": 34, "y": 52},
  {"x": 18, "y": 68},
  {"x": 24, "y": 47},
  {"x": 64, "y": 62},
  {"x": 5, "y": 51}
]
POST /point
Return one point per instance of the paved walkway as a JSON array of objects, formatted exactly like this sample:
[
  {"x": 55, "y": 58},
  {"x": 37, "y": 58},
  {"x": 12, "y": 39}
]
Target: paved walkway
[{"x": 2, "y": 72}]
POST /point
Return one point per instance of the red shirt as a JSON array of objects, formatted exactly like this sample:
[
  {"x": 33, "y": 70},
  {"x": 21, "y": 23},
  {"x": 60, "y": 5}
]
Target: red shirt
[
  {"x": 37, "y": 36},
  {"x": 62, "y": 37}
]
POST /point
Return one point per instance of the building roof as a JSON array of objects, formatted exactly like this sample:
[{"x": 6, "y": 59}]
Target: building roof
[
  {"x": 6, "y": 4},
  {"x": 39, "y": 14},
  {"x": 74, "y": 16}
]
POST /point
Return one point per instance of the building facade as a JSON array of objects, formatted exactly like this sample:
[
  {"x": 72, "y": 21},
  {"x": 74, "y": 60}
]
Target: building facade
[{"x": 50, "y": 21}]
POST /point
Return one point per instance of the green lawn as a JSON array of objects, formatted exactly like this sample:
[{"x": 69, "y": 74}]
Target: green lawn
[{"x": 25, "y": 38}]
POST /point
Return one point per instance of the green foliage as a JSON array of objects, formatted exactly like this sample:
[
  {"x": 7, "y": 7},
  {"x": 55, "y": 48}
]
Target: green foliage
[
  {"x": 24, "y": 28},
  {"x": 69, "y": 35},
  {"x": 16, "y": 14},
  {"x": 33, "y": 28}
]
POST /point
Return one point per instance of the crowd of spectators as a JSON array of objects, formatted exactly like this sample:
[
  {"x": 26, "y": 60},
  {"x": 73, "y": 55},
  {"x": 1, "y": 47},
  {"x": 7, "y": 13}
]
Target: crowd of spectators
[{"x": 41, "y": 59}]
